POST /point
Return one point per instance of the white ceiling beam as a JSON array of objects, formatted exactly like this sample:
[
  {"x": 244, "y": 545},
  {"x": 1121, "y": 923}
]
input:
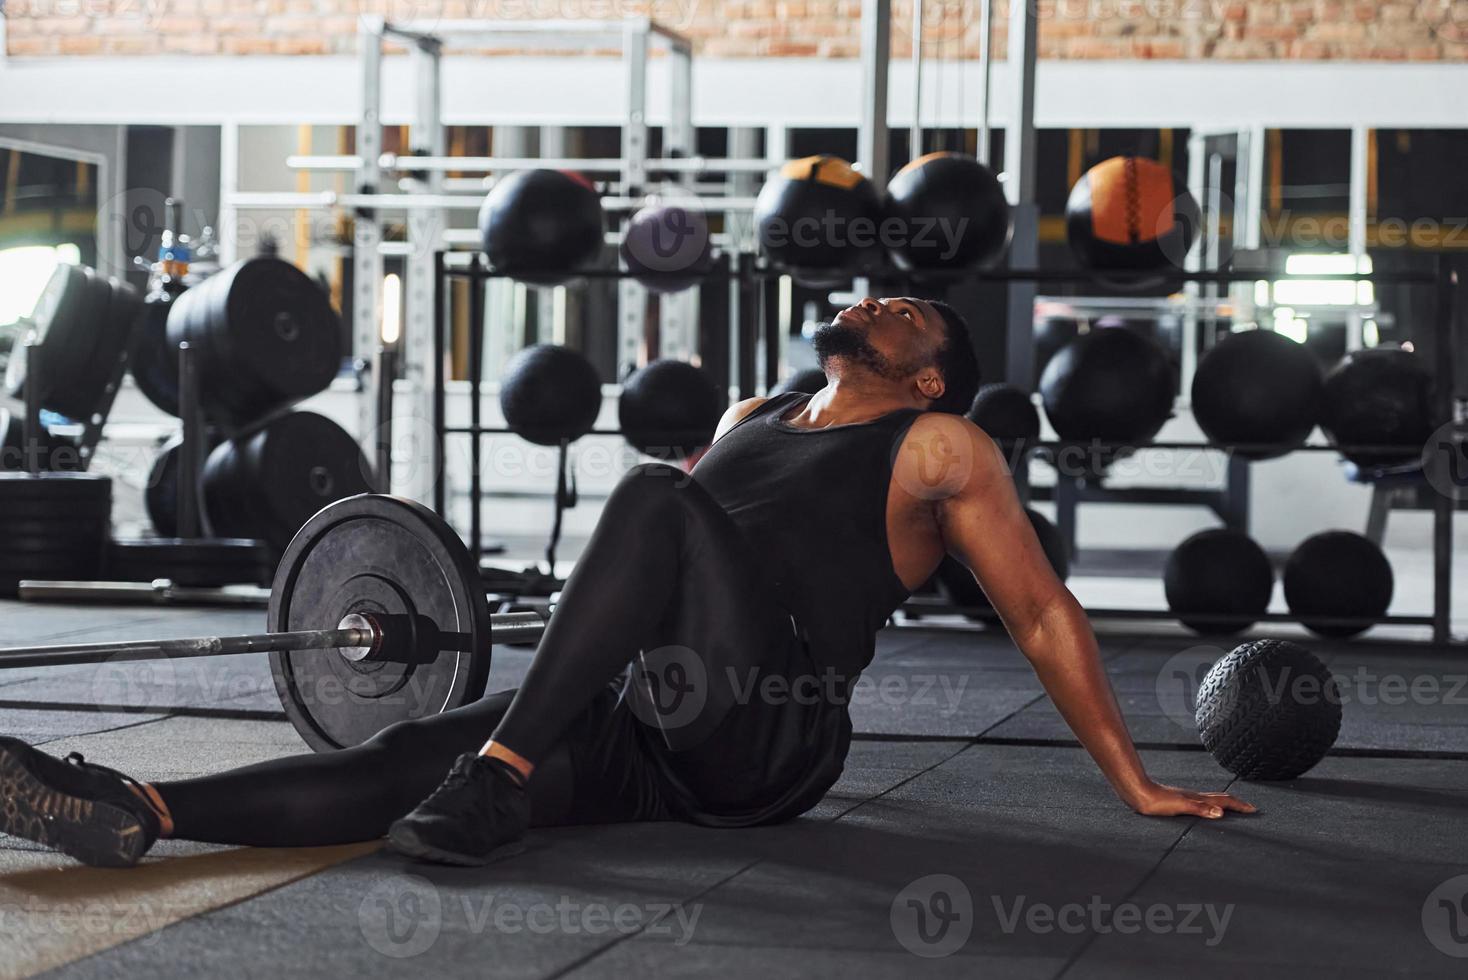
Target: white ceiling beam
[{"x": 742, "y": 92}]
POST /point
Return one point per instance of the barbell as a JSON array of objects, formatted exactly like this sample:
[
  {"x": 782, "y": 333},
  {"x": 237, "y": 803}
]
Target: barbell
[{"x": 376, "y": 616}]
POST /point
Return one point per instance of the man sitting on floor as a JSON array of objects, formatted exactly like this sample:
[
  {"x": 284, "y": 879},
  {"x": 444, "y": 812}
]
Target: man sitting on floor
[{"x": 778, "y": 559}]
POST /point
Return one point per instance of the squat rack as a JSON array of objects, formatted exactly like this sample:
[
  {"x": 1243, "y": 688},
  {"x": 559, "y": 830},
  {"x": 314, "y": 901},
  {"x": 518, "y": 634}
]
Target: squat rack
[{"x": 429, "y": 196}]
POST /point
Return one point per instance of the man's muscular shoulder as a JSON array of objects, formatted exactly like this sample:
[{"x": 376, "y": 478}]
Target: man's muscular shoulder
[
  {"x": 735, "y": 413},
  {"x": 945, "y": 456}
]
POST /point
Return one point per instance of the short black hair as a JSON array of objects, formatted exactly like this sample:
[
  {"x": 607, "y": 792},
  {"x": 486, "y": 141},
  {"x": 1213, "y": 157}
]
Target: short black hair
[{"x": 957, "y": 362}]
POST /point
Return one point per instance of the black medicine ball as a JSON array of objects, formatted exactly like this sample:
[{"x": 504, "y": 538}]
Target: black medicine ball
[
  {"x": 670, "y": 409},
  {"x": 1218, "y": 572},
  {"x": 1109, "y": 384},
  {"x": 1379, "y": 397},
  {"x": 540, "y": 225},
  {"x": 950, "y": 211},
  {"x": 1008, "y": 415},
  {"x": 1337, "y": 575},
  {"x": 1258, "y": 386},
  {"x": 1268, "y": 710},
  {"x": 550, "y": 394}
]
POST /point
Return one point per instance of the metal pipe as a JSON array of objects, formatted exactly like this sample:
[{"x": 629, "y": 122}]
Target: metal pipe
[
  {"x": 32, "y": 433},
  {"x": 550, "y": 33},
  {"x": 439, "y": 372},
  {"x": 1444, "y": 505},
  {"x": 610, "y": 165},
  {"x": 477, "y": 328},
  {"x": 915, "y": 133},
  {"x": 191, "y": 448},
  {"x": 385, "y": 373},
  {"x": 986, "y": 70},
  {"x": 876, "y": 56},
  {"x": 504, "y": 628},
  {"x": 200, "y": 646},
  {"x": 278, "y": 200}
]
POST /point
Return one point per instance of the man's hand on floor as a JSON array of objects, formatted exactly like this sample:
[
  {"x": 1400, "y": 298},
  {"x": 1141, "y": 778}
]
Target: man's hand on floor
[{"x": 1157, "y": 800}]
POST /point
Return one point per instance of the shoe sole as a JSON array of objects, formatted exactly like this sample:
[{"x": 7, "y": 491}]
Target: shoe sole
[
  {"x": 405, "y": 841},
  {"x": 98, "y": 834}
]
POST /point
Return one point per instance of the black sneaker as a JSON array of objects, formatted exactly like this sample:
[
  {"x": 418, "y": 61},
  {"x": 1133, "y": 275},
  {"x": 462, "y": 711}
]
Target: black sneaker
[
  {"x": 77, "y": 807},
  {"x": 478, "y": 814}
]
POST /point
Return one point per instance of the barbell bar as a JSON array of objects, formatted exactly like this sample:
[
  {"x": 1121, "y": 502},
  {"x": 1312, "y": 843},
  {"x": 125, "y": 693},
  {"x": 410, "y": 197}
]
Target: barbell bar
[
  {"x": 357, "y": 639},
  {"x": 377, "y": 615}
]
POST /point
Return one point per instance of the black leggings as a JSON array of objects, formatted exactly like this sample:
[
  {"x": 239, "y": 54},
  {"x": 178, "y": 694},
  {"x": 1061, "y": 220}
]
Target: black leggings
[{"x": 666, "y": 574}]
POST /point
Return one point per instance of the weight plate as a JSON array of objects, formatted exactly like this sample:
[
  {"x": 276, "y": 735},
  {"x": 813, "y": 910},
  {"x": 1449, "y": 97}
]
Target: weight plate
[
  {"x": 188, "y": 561},
  {"x": 15, "y": 570},
  {"x": 153, "y": 361},
  {"x": 69, "y": 321},
  {"x": 160, "y": 495},
  {"x": 267, "y": 483},
  {"x": 60, "y": 302},
  {"x": 106, "y": 347},
  {"x": 395, "y": 559},
  {"x": 17, "y": 513},
  {"x": 267, "y": 338},
  {"x": 63, "y": 491},
  {"x": 51, "y": 528},
  {"x": 54, "y": 544}
]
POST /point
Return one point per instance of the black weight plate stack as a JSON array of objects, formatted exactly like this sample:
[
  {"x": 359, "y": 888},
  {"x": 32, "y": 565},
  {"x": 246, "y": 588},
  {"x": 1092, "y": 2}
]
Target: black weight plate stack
[
  {"x": 267, "y": 338},
  {"x": 154, "y": 362},
  {"x": 160, "y": 495},
  {"x": 83, "y": 321},
  {"x": 55, "y": 452},
  {"x": 52, "y": 526},
  {"x": 267, "y": 482},
  {"x": 189, "y": 561},
  {"x": 398, "y": 562}
]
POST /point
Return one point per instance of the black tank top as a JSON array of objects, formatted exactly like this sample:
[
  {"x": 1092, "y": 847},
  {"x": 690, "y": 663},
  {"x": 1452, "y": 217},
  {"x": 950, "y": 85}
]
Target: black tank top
[{"x": 813, "y": 504}]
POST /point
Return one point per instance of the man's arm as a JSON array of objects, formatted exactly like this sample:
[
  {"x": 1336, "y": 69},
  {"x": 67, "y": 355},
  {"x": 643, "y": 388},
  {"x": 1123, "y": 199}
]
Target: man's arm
[{"x": 984, "y": 526}]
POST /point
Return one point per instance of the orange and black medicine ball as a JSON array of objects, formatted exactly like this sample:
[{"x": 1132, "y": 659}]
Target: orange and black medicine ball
[
  {"x": 950, "y": 212},
  {"x": 818, "y": 218},
  {"x": 1130, "y": 213}
]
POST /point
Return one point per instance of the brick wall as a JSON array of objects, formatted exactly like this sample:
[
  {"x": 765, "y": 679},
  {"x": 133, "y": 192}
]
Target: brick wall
[{"x": 1387, "y": 30}]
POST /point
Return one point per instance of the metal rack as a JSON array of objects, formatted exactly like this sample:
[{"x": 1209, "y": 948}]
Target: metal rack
[
  {"x": 750, "y": 275},
  {"x": 427, "y": 200}
]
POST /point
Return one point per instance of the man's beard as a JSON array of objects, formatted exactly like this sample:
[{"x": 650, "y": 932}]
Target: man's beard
[{"x": 833, "y": 341}]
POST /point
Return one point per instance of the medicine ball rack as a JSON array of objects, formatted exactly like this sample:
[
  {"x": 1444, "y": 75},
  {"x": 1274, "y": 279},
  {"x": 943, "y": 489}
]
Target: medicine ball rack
[
  {"x": 753, "y": 281},
  {"x": 752, "y": 278},
  {"x": 1445, "y": 282}
]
